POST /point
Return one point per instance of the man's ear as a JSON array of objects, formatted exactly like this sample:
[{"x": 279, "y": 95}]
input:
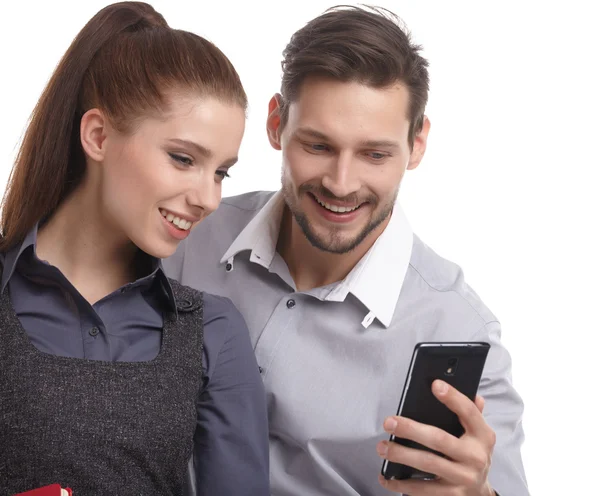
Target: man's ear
[
  {"x": 92, "y": 131},
  {"x": 420, "y": 145},
  {"x": 274, "y": 122}
]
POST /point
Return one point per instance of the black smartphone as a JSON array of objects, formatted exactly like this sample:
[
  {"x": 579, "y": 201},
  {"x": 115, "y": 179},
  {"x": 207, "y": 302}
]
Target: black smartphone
[{"x": 460, "y": 365}]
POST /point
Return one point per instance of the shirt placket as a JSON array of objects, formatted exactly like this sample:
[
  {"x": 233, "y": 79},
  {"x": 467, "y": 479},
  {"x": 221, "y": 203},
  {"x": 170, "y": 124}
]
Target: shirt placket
[
  {"x": 93, "y": 333},
  {"x": 280, "y": 326}
]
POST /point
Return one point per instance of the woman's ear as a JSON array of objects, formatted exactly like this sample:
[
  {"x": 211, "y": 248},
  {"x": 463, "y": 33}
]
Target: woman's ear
[{"x": 93, "y": 131}]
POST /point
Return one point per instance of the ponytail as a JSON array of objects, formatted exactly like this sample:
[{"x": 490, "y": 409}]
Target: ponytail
[{"x": 50, "y": 162}]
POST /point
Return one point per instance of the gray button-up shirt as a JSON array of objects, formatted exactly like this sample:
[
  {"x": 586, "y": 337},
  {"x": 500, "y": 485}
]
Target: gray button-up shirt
[
  {"x": 230, "y": 445},
  {"x": 334, "y": 359}
]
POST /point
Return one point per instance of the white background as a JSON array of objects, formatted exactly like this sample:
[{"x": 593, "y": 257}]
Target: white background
[{"x": 507, "y": 189}]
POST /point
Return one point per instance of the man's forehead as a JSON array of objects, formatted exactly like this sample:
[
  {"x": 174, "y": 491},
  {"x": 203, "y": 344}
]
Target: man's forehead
[
  {"x": 353, "y": 114},
  {"x": 314, "y": 88},
  {"x": 325, "y": 101}
]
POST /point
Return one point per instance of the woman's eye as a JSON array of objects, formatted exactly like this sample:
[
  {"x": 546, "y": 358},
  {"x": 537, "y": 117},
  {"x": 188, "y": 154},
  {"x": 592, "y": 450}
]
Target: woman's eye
[
  {"x": 222, "y": 174},
  {"x": 181, "y": 159}
]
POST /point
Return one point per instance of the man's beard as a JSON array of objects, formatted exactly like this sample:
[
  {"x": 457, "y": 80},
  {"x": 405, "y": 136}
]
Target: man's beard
[{"x": 334, "y": 242}]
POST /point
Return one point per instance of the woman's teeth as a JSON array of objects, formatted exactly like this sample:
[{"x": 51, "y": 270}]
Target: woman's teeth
[
  {"x": 335, "y": 208},
  {"x": 182, "y": 224}
]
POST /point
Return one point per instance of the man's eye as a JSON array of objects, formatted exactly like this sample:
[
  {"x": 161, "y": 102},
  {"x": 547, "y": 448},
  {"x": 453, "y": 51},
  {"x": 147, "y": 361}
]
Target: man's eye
[
  {"x": 222, "y": 174},
  {"x": 316, "y": 147},
  {"x": 181, "y": 159},
  {"x": 377, "y": 155}
]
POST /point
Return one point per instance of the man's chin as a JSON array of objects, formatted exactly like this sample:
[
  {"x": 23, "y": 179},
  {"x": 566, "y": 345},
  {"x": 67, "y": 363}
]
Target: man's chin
[{"x": 332, "y": 242}]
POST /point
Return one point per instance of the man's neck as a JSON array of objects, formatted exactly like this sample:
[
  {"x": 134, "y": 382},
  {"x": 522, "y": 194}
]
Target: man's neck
[{"x": 311, "y": 267}]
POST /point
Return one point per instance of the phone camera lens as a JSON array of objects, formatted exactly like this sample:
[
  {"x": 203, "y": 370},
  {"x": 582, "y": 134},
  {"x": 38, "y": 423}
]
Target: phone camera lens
[{"x": 451, "y": 367}]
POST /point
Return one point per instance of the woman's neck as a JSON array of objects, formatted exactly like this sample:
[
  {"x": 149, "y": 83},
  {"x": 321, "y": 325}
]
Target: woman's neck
[{"x": 92, "y": 254}]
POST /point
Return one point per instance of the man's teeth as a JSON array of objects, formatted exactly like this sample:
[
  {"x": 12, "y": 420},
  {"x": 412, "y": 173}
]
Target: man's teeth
[
  {"x": 335, "y": 208},
  {"x": 182, "y": 224}
]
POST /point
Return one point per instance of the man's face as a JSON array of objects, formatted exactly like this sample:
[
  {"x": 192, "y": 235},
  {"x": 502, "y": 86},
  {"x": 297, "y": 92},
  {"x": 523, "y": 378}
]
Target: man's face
[{"x": 345, "y": 150}]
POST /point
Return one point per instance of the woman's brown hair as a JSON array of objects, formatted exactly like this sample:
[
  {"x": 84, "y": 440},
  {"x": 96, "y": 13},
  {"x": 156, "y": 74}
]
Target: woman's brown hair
[{"x": 123, "y": 62}]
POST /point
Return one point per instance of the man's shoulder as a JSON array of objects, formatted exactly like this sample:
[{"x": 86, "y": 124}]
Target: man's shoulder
[
  {"x": 246, "y": 202},
  {"x": 445, "y": 280},
  {"x": 209, "y": 241},
  {"x": 438, "y": 272},
  {"x": 234, "y": 213}
]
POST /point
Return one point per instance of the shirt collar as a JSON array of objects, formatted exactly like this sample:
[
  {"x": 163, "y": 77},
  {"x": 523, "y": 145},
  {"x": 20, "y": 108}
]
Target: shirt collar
[
  {"x": 166, "y": 286},
  {"x": 260, "y": 234},
  {"x": 12, "y": 256},
  {"x": 377, "y": 278},
  {"x": 153, "y": 264}
]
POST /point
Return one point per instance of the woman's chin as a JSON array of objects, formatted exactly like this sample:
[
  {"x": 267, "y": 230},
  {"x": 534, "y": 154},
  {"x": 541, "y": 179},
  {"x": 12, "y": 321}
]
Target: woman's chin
[{"x": 158, "y": 249}]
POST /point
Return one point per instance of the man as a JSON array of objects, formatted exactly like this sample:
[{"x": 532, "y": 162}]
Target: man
[{"x": 336, "y": 289}]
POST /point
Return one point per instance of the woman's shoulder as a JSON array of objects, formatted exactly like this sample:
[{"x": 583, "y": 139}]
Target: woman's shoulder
[
  {"x": 227, "y": 341},
  {"x": 187, "y": 299},
  {"x": 221, "y": 309},
  {"x": 219, "y": 314}
]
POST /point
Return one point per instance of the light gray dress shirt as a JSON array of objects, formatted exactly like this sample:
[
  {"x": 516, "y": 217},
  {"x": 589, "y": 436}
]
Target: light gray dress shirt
[{"x": 334, "y": 359}]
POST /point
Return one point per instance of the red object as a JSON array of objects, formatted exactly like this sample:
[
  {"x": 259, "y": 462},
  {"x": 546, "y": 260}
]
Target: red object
[{"x": 51, "y": 490}]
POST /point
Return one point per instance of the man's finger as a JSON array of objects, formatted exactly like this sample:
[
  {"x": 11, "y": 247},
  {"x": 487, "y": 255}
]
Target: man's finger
[
  {"x": 479, "y": 403},
  {"x": 429, "y": 436},
  {"x": 425, "y": 461},
  {"x": 469, "y": 415}
]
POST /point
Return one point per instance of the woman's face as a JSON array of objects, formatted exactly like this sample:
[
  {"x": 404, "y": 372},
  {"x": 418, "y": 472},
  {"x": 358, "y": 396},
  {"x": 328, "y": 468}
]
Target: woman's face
[{"x": 160, "y": 180}]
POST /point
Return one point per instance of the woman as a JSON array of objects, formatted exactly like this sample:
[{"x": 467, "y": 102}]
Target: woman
[{"x": 114, "y": 379}]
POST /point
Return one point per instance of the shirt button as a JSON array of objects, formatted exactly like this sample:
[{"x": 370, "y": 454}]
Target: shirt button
[
  {"x": 261, "y": 370},
  {"x": 291, "y": 303},
  {"x": 94, "y": 331}
]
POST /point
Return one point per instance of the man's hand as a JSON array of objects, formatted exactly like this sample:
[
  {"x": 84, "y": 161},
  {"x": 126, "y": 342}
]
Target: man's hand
[{"x": 465, "y": 471}]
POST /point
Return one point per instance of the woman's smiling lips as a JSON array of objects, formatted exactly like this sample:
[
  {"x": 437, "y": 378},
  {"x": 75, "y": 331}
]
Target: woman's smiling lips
[{"x": 178, "y": 225}]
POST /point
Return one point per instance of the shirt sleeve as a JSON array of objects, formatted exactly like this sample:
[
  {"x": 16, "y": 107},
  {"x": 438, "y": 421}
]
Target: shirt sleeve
[
  {"x": 503, "y": 411},
  {"x": 231, "y": 446}
]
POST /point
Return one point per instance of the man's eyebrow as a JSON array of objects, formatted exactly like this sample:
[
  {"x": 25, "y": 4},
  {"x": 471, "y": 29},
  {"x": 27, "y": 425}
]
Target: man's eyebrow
[
  {"x": 380, "y": 144},
  {"x": 201, "y": 150},
  {"x": 308, "y": 131}
]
